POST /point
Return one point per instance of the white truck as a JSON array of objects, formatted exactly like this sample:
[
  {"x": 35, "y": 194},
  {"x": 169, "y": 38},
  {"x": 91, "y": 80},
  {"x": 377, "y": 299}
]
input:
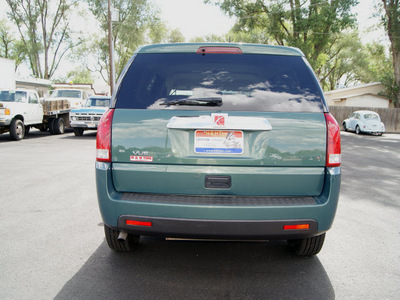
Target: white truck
[
  {"x": 77, "y": 98},
  {"x": 21, "y": 109}
]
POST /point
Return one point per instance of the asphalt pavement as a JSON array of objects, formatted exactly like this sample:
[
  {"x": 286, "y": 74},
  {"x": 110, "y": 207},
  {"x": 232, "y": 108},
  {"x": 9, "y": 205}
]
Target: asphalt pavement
[{"x": 52, "y": 241}]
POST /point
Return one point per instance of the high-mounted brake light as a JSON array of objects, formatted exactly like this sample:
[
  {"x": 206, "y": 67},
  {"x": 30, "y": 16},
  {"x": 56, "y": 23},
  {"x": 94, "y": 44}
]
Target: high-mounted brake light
[
  {"x": 103, "y": 140},
  {"x": 219, "y": 50},
  {"x": 333, "y": 150}
]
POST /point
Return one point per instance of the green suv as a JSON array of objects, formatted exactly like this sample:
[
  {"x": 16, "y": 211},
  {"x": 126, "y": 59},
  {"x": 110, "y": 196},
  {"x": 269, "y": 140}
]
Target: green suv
[{"x": 224, "y": 141}]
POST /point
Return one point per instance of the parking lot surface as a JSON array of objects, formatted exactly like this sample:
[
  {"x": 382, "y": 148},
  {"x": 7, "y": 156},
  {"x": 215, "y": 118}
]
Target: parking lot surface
[{"x": 52, "y": 241}]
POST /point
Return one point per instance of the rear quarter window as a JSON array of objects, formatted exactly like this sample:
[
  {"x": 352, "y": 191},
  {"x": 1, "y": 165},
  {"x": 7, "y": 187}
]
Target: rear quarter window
[{"x": 244, "y": 82}]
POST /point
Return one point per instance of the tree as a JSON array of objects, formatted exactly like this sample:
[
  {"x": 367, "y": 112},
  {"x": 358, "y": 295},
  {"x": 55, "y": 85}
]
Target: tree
[
  {"x": 135, "y": 19},
  {"x": 347, "y": 62},
  {"x": 10, "y": 47},
  {"x": 175, "y": 36},
  {"x": 391, "y": 21},
  {"x": 308, "y": 25},
  {"x": 79, "y": 75},
  {"x": 43, "y": 26}
]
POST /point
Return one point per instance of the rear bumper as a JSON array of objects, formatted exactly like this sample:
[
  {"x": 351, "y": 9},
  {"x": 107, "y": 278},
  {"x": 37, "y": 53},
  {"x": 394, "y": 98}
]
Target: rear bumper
[
  {"x": 372, "y": 131},
  {"x": 232, "y": 229},
  {"x": 263, "y": 218}
]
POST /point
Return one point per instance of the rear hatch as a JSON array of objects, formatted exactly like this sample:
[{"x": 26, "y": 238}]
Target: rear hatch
[
  {"x": 372, "y": 121},
  {"x": 219, "y": 121}
]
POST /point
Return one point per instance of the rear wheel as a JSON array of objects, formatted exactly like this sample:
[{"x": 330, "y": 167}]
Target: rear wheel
[
  {"x": 129, "y": 244},
  {"x": 307, "y": 247},
  {"x": 78, "y": 131},
  {"x": 358, "y": 130},
  {"x": 51, "y": 126},
  {"x": 59, "y": 126},
  {"x": 17, "y": 130}
]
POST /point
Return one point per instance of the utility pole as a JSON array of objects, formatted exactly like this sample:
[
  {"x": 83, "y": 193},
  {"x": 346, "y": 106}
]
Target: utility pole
[{"x": 111, "y": 48}]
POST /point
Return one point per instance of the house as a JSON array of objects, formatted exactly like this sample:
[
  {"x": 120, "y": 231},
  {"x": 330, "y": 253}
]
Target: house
[
  {"x": 365, "y": 95},
  {"x": 42, "y": 86},
  {"x": 90, "y": 89}
]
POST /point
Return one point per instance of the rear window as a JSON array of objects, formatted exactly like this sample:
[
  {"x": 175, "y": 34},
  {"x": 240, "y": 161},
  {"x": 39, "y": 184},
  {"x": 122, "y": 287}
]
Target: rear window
[{"x": 230, "y": 82}]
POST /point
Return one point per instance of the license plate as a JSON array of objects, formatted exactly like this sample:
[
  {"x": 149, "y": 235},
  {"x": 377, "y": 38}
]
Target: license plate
[{"x": 218, "y": 142}]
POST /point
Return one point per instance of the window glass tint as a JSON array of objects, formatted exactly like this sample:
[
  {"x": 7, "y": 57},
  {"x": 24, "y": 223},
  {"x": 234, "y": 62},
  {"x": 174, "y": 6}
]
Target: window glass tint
[
  {"x": 97, "y": 102},
  {"x": 13, "y": 96},
  {"x": 33, "y": 98},
  {"x": 242, "y": 82},
  {"x": 371, "y": 117},
  {"x": 66, "y": 93}
]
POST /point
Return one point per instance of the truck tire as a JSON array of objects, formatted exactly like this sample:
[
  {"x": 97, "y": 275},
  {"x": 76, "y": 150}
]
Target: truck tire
[
  {"x": 17, "y": 130},
  {"x": 129, "y": 244},
  {"x": 309, "y": 246},
  {"x": 78, "y": 131},
  {"x": 59, "y": 126},
  {"x": 51, "y": 126}
]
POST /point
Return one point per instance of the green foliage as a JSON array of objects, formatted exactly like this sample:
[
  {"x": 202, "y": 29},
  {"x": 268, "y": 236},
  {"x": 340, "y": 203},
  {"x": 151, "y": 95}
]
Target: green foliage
[
  {"x": 175, "y": 36},
  {"x": 137, "y": 18},
  {"x": 10, "y": 47},
  {"x": 308, "y": 25},
  {"x": 44, "y": 32},
  {"x": 391, "y": 88},
  {"x": 80, "y": 75},
  {"x": 391, "y": 22}
]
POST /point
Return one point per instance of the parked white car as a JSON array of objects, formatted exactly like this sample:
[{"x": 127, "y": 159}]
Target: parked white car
[{"x": 364, "y": 121}]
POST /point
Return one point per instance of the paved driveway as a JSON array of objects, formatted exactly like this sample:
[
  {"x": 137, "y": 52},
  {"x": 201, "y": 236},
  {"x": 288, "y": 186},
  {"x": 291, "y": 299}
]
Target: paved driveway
[{"x": 52, "y": 243}]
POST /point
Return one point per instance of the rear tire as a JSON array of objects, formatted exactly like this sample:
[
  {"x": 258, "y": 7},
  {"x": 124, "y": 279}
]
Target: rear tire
[
  {"x": 51, "y": 126},
  {"x": 358, "y": 131},
  {"x": 59, "y": 126},
  {"x": 309, "y": 246},
  {"x": 17, "y": 130},
  {"x": 78, "y": 131},
  {"x": 129, "y": 244}
]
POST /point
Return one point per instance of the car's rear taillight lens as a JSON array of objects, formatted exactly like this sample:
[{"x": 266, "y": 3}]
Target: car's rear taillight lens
[
  {"x": 333, "y": 150},
  {"x": 103, "y": 141}
]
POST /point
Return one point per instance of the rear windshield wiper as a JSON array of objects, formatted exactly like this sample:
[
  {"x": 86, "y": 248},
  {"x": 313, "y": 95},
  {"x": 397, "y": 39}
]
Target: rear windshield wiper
[{"x": 212, "y": 101}]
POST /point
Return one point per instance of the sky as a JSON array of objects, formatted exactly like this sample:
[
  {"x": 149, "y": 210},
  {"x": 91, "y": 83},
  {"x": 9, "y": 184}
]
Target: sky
[{"x": 194, "y": 18}]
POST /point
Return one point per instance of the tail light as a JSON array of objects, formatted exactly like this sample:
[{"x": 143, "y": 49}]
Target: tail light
[
  {"x": 296, "y": 227},
  {"x": 103, "y": 140},
  {"x": 333, "y": 150}
]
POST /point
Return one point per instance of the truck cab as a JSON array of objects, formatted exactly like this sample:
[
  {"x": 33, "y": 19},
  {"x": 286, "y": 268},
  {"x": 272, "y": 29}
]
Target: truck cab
[
  {"x": 88, "y": 117},
  {"x": 76, "y": 97},
  {"x": 19, "y": 109}
]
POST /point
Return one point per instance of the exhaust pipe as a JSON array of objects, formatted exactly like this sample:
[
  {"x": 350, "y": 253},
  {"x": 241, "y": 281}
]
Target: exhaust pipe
[{"x": 123, "y": 235}]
